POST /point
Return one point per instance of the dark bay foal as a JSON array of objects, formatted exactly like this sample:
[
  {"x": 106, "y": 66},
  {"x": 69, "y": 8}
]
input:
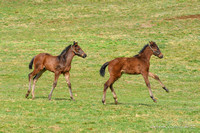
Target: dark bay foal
[
  {"x": 139, "y": 64},
  {"x": 60, "y": 64}
]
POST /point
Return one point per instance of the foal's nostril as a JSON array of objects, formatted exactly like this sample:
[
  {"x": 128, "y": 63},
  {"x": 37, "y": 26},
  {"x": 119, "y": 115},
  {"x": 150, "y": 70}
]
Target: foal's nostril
[
  {"x": 84, "y": 55},
  {"x": 161, "y": 56}
]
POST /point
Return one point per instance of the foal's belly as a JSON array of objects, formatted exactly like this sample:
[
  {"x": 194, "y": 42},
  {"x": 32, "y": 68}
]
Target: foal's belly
[{"x": 129, "y": 69}]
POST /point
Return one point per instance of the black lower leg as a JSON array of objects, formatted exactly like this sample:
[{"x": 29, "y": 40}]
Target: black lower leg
[
  {"x": 165, "y": 89},
  {"x": 28, "y": 92},
  {"x": 153, "y": 99}
]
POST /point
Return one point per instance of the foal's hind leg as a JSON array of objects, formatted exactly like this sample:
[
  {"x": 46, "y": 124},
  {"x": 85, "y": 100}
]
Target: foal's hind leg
[
  {"x": 104, "y": 93},
  {"x": 35, "y": 71},
  {"x": 114, "y": 94},
  {"x": 109, "y": 83},
  {"x": 29, "y": 89},
  {"x": 30, "y": 76},
  {"x": 37, "y": 76},
  {"x": 158, "y": 79}
]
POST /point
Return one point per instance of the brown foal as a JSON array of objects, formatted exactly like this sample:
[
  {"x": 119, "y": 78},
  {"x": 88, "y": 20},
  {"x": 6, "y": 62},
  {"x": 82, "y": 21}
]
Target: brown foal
[
  {"x": 57, "y": 64},
  {"x": 139, "y": 64}
]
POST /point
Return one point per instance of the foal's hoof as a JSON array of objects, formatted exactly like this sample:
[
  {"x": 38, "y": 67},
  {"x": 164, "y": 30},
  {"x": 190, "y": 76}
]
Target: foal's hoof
[
  {"x": 104, "y": 102},
  {"x": 116, "y": 102},
  {"x": 33, "y": 97},
  {"x": 72, "y": 99},
  {"x": 26, "y": 96},
  {"x": 49, "y": 97},
  {"x": 166, "y": 89},
  {"x": 155, "y": 100}
]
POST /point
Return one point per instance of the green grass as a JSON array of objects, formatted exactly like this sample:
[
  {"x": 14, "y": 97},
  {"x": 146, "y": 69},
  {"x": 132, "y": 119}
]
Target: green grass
[{"x": 105, "y": 30}]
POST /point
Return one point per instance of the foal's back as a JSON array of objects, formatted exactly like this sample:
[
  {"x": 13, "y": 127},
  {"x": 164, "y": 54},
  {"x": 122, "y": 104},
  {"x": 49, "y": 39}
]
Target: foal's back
[{"x": 129, "y": 65}]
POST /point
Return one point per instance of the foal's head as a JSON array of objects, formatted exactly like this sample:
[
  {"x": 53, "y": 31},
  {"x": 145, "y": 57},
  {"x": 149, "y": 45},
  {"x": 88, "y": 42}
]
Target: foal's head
[
  {"x": 155, "y": 49},
  {"x": 77, "y": 50}
]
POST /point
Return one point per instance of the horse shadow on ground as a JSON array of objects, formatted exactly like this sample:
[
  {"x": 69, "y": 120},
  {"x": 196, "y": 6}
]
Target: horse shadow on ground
[
  {"x": 57, "y": 99},
  {"x": 134, "y": 104},
  {"x": 108, "y": 104},
  {"x": 61, "y": 99}
]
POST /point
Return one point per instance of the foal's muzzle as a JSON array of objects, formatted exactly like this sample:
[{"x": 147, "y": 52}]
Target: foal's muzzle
[
  {"x": 84, "y": 55},
  {"x": 160, "y": 56}
]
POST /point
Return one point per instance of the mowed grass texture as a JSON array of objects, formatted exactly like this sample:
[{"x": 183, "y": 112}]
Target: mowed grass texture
[{"x": 105, "y": 30}]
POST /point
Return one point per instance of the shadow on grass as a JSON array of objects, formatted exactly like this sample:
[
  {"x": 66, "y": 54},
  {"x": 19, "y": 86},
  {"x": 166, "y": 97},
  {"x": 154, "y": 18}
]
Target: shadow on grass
[
  {"x": 134, "y": 104},
  {"x": 60, "y": 99},
  {"x": 57, "y": 99}
]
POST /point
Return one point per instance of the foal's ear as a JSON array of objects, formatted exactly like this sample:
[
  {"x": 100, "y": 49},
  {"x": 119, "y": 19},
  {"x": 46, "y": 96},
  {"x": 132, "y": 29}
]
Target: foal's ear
[
  {"x": 75, "y": 43},
  {"x": 151, "y": 42}
]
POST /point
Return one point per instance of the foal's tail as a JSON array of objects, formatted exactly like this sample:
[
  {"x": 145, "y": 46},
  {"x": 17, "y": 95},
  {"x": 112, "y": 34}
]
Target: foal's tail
[
  {"x": 31, "y": 63},
  {"x": 103, "y": 67}
]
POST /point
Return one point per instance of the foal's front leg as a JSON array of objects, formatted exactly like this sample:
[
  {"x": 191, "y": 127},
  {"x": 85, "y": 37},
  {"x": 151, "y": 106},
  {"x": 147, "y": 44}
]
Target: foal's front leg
[
  {"x": 158, "y": 79},
  {"x": 29, "y": 88},
  {"x": 145, "y": 76},
  {"x": 54, "y": 84},
  {"x": 67, "y": 75}
]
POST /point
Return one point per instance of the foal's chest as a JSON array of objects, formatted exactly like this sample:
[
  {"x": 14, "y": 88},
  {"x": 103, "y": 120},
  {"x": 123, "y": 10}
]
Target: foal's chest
[{"x": 63, "y": 68}]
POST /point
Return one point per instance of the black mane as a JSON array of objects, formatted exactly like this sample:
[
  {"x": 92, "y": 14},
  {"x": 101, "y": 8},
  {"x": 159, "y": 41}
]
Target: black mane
[
  {"x": 142, "y": 50},
  {"x": 65, "y": 50},
  {"x": 61, "y": 57}
]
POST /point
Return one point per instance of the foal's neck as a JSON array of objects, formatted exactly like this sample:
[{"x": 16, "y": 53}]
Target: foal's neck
[
  {"x": 69, "y": 56},
  {"x": 146, "y": 54}
]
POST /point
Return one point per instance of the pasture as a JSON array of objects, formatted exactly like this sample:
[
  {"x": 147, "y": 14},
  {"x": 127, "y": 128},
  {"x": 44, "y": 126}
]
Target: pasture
[{"x": 105, "y": 29}]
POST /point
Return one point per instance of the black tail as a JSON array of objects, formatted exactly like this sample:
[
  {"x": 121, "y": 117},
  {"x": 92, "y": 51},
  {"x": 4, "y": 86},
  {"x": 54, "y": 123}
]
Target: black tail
[
  {"x": 31, "y": 63},
  {"x": 103, "y": 67}
]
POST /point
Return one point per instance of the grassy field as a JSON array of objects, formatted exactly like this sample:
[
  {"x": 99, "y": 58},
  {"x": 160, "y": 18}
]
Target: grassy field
[{"x": 105, "y": 29}]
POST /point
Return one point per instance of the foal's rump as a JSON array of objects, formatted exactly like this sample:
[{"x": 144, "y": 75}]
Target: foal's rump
[
  {"x": 38, "y": 60},
  {"x": 47, "y": 61}
]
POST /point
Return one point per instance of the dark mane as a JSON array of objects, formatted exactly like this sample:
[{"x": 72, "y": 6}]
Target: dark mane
[
  {"x": 141, "y": 50},
  {"x": 61, "y": 57},
  {"x": 65, "y": 50}
]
